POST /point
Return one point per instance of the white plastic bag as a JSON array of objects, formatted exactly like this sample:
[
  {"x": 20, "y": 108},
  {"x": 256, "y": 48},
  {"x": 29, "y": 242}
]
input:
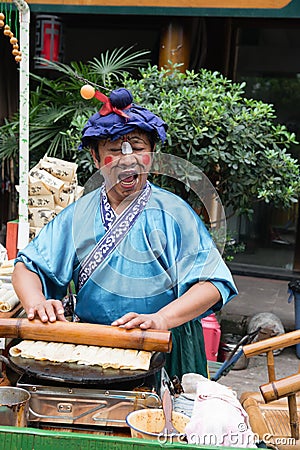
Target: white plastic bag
[{"x": 218, "y": 418}]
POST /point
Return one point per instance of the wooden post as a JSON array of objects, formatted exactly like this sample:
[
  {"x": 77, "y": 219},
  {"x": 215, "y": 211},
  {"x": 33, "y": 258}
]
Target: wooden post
[
  {"x": 11, "y": 239},
  {"x": 256, "y": 418},
  {"x": 175, "y": 44},
  {"x": 294, "y": 422},
  {"x": 285, "y": 387},
  {"x": 271, "y": 365}
]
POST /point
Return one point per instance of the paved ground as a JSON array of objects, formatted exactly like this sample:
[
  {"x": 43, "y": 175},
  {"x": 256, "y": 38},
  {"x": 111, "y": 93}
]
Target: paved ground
[
  {"x": 256, "y": 373},
  {"x": 259, "y": 295}
]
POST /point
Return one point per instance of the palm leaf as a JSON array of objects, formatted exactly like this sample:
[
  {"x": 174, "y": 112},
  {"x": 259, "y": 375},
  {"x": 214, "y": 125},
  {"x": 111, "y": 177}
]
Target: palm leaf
[
  {"x": 113, "y": 64},
  {"x": 56, "y": 103}
]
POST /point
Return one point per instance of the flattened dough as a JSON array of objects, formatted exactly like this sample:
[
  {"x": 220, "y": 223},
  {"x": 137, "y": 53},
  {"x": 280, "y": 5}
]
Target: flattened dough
[{"x": 90, "y": 355}]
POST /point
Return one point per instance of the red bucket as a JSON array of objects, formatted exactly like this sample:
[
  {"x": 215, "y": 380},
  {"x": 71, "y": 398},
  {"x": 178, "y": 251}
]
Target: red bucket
[{"x": 212, "y": 336}]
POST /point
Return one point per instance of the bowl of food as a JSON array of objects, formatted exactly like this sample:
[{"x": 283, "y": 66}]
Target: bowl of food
[{"x": 149, "y": 424}]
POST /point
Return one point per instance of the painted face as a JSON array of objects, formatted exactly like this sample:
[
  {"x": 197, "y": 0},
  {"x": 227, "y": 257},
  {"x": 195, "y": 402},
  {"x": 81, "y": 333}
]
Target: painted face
[{"x": 124, "y": 164}]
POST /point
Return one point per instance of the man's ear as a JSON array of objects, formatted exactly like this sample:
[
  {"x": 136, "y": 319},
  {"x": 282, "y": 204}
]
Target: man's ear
[{"x": 96, "y": 158}]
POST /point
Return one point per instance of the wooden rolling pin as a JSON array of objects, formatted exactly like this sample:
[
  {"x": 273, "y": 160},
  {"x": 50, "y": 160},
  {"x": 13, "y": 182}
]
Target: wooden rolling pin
[{"x": 88, "y": 334}]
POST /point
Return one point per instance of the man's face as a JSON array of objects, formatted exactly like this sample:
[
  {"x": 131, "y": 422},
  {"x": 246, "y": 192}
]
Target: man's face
[{"x": 124, "y": 174}]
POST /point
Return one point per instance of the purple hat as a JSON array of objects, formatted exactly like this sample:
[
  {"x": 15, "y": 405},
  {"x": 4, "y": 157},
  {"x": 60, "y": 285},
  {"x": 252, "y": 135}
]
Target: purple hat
[{"x": 119, "y": 116}]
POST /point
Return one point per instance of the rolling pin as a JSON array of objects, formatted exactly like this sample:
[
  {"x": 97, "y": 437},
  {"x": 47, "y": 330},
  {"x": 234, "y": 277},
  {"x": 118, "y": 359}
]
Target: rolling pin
[{"x": 87, "y": 334}]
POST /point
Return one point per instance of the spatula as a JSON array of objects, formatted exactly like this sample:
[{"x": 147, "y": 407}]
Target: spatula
[{"x": 168, "y": 428}]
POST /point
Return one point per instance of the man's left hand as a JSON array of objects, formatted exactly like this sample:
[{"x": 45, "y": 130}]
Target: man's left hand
[{"x": 133, "y": 320}]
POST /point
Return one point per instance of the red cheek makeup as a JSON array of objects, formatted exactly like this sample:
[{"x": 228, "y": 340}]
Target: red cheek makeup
[
  {"x": 108, "y": 160},
  {"x": 146, "y": 159}
]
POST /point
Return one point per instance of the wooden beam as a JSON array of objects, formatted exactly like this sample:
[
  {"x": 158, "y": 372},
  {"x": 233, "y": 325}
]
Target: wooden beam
[{"x": 241, "y": 4}]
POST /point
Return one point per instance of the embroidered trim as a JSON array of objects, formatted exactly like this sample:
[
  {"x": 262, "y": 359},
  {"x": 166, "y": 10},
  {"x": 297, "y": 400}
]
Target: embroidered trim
[
  {"x": 117, "y": 229},
  {"x": 108, "y": 215}
]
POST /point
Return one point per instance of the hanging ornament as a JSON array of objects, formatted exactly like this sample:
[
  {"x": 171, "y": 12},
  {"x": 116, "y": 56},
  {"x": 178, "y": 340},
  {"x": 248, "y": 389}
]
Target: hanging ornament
[
  {"x": 87, "y": 92},
  {"x": 8, "y": 32},
  {"x": 2, "y": 17}
]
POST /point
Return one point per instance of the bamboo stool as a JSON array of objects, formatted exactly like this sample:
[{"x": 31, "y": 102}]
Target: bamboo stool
[{"x": 274, "y": 412}]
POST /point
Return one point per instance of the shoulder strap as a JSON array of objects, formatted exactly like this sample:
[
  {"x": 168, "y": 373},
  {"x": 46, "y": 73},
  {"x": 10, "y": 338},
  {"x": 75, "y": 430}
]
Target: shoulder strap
[{"x": 114, "y": 236}]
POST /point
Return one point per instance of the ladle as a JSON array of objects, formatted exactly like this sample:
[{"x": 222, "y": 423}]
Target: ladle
[{"x": 168, "y": 428}]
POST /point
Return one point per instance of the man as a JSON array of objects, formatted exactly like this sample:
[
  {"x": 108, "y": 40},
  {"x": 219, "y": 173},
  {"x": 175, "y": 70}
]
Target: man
[{"x": 139, "y": 256}]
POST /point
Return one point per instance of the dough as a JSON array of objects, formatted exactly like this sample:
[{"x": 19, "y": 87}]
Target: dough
[{"x": 89, "y": 355}]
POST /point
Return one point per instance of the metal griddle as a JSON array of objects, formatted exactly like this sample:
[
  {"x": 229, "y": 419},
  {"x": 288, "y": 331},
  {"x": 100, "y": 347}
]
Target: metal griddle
[{"x": 78, "y": 374}]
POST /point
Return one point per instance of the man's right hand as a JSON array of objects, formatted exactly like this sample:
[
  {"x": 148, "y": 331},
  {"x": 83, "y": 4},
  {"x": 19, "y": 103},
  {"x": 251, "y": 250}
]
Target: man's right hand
[
  {"x": 28, "y": 287},
  {"x": 48, "y": 310}
]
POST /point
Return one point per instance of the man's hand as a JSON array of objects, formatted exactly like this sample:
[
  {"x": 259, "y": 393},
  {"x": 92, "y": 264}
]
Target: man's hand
[
  {"x": 198, "y": 299},
  {"x": 28, "y": 288},
  {"x": 48, "y": 310},
  {"x": 133, "y": 320}
]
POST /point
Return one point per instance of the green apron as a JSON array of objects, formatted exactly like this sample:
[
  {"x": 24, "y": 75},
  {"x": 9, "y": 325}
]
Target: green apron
[{"x": 188, "y": 351}]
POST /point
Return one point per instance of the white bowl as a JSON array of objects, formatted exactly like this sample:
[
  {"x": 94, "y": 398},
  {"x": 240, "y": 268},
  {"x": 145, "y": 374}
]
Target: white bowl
[{"x": 149, "y": 423}]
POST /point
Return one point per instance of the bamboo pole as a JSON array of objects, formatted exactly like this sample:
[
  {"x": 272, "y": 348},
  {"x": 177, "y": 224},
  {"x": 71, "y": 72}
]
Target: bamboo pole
[
  {"x": 256, "y": 418},
  {"x": 273, "y": 343},
  {"x": 280, "y": 388},
  {"x": 271, "y": 366},
  {"x": 294, "y": 421},
  {"x": 285, "y": 387},
  {"x": 87, "y": 334}
]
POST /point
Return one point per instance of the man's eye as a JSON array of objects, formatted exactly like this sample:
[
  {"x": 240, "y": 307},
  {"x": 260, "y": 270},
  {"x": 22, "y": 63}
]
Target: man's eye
[
  {"x": 138, "y": 149},
  {"x": 115, "y": 150}
]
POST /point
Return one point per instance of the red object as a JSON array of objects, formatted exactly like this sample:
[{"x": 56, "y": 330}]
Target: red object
[
  {"x": 108, "y": 108},
  {"x": 48, "y": 39},
  {"x": 11, "y": 239},
  {"x": 212, "y": 336}
]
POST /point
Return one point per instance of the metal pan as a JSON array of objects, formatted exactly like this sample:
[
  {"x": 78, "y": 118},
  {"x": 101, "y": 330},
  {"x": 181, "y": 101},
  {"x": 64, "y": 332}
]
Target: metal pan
[{"x": 79, "y": 374}]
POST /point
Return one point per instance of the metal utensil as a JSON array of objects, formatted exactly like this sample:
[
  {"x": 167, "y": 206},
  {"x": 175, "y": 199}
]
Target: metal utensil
[
  {"x": 168, "y": 428},
  {"x": 235, "y": 354}
]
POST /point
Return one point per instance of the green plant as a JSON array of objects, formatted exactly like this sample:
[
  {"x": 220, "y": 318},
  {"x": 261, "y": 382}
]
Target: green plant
[
  {"x": 234, "y": 140},
  {"x": 58, "y": 112}
]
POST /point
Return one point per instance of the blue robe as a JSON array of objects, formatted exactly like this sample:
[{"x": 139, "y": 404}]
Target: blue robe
[{"x": 165, "y": 252}]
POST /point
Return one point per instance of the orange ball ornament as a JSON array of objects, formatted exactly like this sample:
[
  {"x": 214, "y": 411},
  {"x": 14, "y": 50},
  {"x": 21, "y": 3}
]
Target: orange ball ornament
[
  {"x": 13, "y": 40},
  {"x": 2, "y": 16},
  {"x": 18, "y": 58},
  {"x": 1, "y": 23},
  {"x": 87, "y": 92}
]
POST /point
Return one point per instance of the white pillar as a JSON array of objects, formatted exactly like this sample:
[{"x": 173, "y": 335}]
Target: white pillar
[{"x": 24, "y": 19}]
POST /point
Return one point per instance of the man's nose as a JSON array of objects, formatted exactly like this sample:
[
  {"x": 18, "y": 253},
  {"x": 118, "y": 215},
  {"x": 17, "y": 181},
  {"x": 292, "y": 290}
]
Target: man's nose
[{"x": 128, "y": 160}]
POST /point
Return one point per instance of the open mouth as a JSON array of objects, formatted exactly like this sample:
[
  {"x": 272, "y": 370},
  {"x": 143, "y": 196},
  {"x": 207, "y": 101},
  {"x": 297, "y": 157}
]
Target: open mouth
[{"x": 128, "y": 179}]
